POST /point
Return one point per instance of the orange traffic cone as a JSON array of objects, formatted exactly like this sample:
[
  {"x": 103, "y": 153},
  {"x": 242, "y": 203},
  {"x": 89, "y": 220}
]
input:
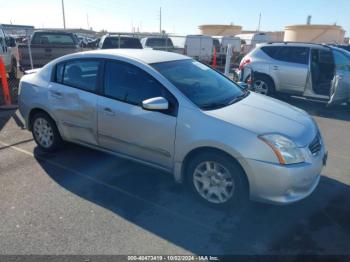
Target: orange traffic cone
[
  {"x": 5, "y": 87},
  {"x": 214, "y": 65}
]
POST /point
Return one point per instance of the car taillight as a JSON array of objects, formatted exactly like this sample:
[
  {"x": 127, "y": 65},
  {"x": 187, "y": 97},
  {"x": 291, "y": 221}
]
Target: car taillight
[{"x": 244, "y": 63}]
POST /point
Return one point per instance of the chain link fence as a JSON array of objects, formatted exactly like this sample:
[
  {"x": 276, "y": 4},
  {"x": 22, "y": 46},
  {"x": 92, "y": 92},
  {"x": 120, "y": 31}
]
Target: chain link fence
[{"x": 30, "y": 51}]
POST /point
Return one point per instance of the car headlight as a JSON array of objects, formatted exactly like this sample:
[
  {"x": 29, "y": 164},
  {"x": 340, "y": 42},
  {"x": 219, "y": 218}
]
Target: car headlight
[{"x": 286, "y": 150}]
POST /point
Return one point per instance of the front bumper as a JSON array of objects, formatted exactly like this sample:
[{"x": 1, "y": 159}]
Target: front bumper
[{"x": 277, "y": 184}]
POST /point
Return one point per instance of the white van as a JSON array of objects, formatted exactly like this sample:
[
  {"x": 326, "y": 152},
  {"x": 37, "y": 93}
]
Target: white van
[
  {"x": 250, "y": 41},
  {"x": 234, "y": 41},
  {"x": 199, "y": 47},
  {"x": 253, "y": 39},
  {"x": 7, "y": 45}
]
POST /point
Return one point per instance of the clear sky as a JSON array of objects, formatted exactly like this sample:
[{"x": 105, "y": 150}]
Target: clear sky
[{"x": 179, "y": 16}]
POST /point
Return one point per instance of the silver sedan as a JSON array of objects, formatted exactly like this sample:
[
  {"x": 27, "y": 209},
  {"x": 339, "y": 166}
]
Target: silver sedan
[{"x": 178, "y": 115}]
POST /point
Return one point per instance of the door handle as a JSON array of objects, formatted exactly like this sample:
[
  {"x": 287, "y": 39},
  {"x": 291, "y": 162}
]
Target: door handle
[
  {"x": 275, "y": 67},
  {"x": 108, "y": 111},
  {"x": 56, "y": 94}
]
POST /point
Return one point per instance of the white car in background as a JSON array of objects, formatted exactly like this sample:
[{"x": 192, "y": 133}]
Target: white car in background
[{"x": 9, "y": 53}]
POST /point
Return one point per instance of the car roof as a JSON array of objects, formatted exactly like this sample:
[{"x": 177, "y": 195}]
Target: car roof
[
  {"x": 54, "y": 32},
  {"x": 294, "y": 44},
  {"x": 156, "y": 37},
  {"x": 143, "y": 55},
  {"x": 121, "y": 36}
]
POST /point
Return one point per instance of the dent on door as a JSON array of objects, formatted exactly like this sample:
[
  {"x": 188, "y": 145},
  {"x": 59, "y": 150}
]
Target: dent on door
[{"x": 76, "y": 112}]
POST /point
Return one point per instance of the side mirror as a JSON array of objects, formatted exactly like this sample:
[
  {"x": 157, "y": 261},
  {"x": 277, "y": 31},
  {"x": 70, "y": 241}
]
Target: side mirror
[
  {"x": 155, "y": 104},
  {"x": 243, "y": 85}
]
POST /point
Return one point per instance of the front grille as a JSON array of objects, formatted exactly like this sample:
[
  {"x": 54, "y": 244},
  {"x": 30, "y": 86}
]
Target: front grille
[{"x": 316, "y": 145}]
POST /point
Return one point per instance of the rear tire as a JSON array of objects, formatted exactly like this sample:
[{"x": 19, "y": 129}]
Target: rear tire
[
  {"x": 45, "y": 132},
  {"x": 264, "y": 85},
  {"x": 217, "y": 180}
]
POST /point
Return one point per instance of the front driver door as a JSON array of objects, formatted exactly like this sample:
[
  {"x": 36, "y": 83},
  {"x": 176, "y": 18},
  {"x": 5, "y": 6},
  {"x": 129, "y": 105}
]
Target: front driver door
[
  {"x": 124, "y": 126},
  {"x": 340, "y": 89}
]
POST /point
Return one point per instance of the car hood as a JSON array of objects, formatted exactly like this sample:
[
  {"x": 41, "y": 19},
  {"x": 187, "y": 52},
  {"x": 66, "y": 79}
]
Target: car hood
[{"x": 263, "y": 115}]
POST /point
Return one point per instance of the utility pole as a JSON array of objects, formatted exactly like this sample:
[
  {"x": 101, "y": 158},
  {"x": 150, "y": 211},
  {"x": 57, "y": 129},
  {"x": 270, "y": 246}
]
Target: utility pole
[
  {"x": 259, "y": 22},
  {"x": 64, "y": 16},
  {"x": 160, "y": 20}
]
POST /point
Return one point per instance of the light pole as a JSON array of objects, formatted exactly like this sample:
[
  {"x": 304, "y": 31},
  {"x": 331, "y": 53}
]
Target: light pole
[
  {"x": 64, "y": 16},
  {"x": 160, "y": 20}
]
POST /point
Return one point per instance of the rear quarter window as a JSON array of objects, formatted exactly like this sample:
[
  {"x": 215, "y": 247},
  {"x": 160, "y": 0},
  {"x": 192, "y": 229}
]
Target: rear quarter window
[
  {"x": 293, "y": 54},
  {"x": 271, "y": 51}
]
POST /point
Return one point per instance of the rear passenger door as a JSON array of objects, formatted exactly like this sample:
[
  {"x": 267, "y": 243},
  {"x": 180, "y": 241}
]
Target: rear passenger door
[
  {"x": 124, "y": 126},
  {"x": 291, "y": 68},
  {"x": 73, "y": 99}
]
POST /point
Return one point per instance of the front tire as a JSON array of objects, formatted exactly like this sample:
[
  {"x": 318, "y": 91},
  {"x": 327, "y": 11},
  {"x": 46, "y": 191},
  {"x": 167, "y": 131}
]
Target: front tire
[
  {"x": 217, "y": 180},
  {"x": 45, "y": 132}
]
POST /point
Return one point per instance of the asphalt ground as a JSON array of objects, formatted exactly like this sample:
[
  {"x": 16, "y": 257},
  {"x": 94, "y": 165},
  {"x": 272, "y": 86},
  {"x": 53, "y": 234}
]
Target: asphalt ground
[{"x": 79, "y": 201}]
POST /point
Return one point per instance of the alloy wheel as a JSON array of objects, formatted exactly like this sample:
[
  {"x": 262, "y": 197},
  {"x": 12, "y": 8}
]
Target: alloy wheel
[
  {"x": 261, "y": 87},
  {"x": 214, "y": 182},
  {"x": 43, "y": 132}
]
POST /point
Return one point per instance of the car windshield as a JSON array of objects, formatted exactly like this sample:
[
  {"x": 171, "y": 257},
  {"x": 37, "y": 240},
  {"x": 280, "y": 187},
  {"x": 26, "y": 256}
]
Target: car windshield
[{"x": 204, "y": 86}]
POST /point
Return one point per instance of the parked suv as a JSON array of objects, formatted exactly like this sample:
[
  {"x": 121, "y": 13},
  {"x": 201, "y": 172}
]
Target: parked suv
[
  {"x": 171, "y": 112},
  {"x": 119, "y": 41},
  {"x": 310, "y": 70},
  {"x": 158, "y": 43}
]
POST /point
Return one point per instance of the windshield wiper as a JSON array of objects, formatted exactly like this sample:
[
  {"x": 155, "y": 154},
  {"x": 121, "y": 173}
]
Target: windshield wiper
[
  {"x": 212, "y": 106},
  {"x": 239, "y": 98}
]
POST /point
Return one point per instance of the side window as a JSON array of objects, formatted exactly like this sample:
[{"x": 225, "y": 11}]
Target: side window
[
  {"x": 82, "y": 74},
  {"x": 325, "y": 57},
  {"x": 59, "y": 73},
  {"x": 271, "y": 51},
  {"x": 342, "y": 62},
  {"x": 130, "y": 84},
  {"x": 299, "y": 55}
]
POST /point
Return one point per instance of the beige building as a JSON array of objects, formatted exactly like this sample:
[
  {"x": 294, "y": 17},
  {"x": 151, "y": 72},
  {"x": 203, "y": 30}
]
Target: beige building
[
  {"x": 273, "y": 36},
  {"x": 314, "y": 34},
  {"x": 220, "y": 30}
]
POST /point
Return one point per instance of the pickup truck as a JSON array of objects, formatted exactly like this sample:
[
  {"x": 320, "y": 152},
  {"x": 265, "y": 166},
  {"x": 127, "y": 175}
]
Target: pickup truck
[
  {"x": 46, "y": 46},
  {"x": 8, "y": 53}
]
